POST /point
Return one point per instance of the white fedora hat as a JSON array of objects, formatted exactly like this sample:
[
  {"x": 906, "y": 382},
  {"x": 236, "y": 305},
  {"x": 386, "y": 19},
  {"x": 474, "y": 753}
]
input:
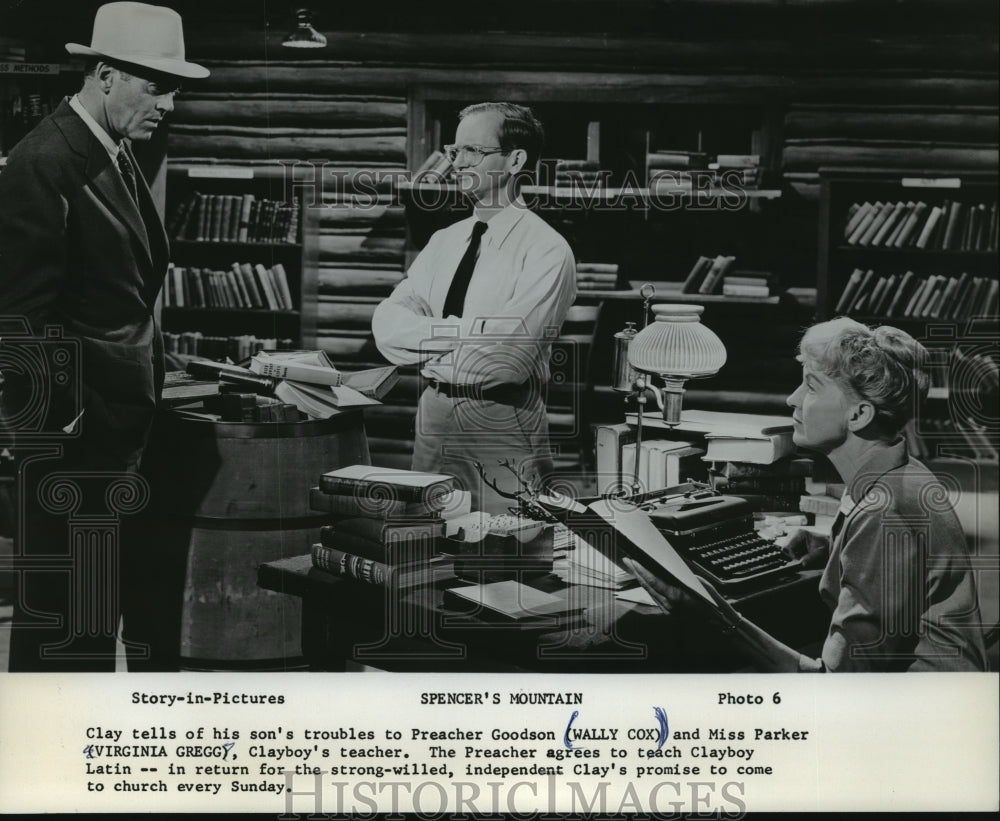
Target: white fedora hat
[{"x": 149, "y": 36}]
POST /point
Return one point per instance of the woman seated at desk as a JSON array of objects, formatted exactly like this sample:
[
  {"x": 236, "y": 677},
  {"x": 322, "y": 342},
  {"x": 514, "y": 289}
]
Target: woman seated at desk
[{"x": 897, "y": 575}]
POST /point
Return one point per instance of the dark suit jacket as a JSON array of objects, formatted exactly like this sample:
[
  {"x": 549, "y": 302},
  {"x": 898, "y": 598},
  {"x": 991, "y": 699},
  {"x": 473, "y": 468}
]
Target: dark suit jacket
[{"x": 76, "y": 252}]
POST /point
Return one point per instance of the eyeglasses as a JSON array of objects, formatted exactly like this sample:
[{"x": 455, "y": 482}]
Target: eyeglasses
[{"x": 473, "y": 153}]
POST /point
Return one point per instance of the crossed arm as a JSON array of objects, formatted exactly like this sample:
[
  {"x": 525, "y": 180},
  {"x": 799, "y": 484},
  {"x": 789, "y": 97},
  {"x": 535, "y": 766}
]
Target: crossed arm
[{"x": 500, "y": 348}]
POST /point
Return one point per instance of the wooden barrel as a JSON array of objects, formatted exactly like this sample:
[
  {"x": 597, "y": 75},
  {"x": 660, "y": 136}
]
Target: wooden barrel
[{"x": 227, "y": 497}]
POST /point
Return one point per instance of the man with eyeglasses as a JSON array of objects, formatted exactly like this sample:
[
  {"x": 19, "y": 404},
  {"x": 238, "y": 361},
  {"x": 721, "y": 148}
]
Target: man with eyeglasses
[
  {"x": 478, "y": 312},
  {"x": 83, "y": 248}
]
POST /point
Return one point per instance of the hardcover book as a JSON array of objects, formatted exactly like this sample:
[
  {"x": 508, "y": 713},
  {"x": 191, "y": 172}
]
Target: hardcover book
[{"x": 403, "y": 485}]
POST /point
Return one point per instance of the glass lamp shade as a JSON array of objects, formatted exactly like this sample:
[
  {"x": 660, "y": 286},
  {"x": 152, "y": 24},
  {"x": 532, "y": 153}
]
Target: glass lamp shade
[
  {"x": 676, "y": 347},
  {"x": 304, "y": 35}
]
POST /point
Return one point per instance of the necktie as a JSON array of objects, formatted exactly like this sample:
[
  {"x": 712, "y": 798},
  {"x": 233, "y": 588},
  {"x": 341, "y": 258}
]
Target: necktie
[
  {"x": 128, "y": 174},
  {"x": 454, "y": 303}
]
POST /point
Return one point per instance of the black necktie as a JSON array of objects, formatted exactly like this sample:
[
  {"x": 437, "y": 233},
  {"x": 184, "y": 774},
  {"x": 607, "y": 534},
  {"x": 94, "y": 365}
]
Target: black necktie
[
  {"x": 128, "y": 174},
  {"x": 455, "y": 301}
]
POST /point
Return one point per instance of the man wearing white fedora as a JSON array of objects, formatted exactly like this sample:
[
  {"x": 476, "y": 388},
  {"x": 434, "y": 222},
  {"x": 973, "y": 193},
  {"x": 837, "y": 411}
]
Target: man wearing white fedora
[{"x": 83, "y": 249}]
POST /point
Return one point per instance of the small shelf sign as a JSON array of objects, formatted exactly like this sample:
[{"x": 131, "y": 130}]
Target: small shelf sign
[
  {"x": 29, "y": 69},
  {"x": 932, "y": 182}
]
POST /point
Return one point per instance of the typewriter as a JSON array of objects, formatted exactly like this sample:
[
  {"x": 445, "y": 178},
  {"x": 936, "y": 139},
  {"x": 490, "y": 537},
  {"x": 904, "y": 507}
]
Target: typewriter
[{"x": 715, "y": 534}]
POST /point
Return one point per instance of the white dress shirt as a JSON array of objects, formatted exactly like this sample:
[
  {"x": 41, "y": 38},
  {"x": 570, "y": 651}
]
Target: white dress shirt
[
  {"x": 523, "y": 284},
  {"x": 103, "y": 137}
]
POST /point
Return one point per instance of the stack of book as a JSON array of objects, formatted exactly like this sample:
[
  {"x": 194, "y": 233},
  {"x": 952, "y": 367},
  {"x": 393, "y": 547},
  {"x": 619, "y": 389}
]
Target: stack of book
[
  {"x": 776, "y": 487},
  {"x": 235, "y": 348},
  {"x": 234, "y": 218},
  {"x": 823, "y": 506},
  {"x": 743, "y": 170},
  {"x": 244, "y": 285},
  {"x": 387, "y": 523},
  {"x": 948, "y": 226},
  {"x": 596, "y": 276},
  {"x": 246, "y": 407},
  {"x": 748, "y": 284},
  {"x": 669, "y": 171},
  {"x": 662, "y": 463},
  {"x": 504, "y": 546},
  {"x": 909, "y": 296},
  {"x": 583, "y": 174},
  {"x": 707, "y": 274}
]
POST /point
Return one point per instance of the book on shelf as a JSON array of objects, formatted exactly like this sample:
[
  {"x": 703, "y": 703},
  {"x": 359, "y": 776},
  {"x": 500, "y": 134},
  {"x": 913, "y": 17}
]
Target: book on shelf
[
  {"x": 887, "y": 226},
  {"x": 737, "y": 160},
  {"x": 865, "y": 286},
  {"x": 902, "y": 290},
  {"x": 204, "y": 217},
  {"x": 697, "y": 275},
  {"x": 910, "y": 226},
  {"x": 237, "y": 347},
  {"x": 871, "y": 211},
  {"x": 670, "y": 159},
  {"x": 950, "y": 225},
  {"x": 868, "y": 237},
  {"x": 281, "y": 280},
  {"x": 928, "y": 228},
  {"x": 849, "y": 293},
  {"x": 904, "y": 216},
  {"x": 880, "y": 305},
  {"x": 404, "y": 485},
  {"x": 713, "y": 279},
  {"x": 855, "y": 213},
  {"x": 358, "y": 568},
  {"x": 240, "y": 286},
  {"x": 751, "y": 291}
]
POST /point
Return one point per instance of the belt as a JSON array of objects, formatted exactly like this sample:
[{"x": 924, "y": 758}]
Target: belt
[{"x": 504, "y": 394}]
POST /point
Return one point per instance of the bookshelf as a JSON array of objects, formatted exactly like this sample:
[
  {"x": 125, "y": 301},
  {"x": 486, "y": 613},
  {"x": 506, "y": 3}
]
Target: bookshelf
[
  {"x": 955, "y": 315},
  {"x": 29, "y": 91},
  {"x": 922, "y": 224},
  {"x": 238, "y": 276}
]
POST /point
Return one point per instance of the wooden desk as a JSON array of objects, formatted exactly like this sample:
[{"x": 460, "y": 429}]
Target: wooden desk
[{"x": 346, "y": 621}]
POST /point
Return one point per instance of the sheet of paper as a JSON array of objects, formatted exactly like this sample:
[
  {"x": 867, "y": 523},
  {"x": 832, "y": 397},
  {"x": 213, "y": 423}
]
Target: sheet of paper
[{"x": 635, "y": 526}]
